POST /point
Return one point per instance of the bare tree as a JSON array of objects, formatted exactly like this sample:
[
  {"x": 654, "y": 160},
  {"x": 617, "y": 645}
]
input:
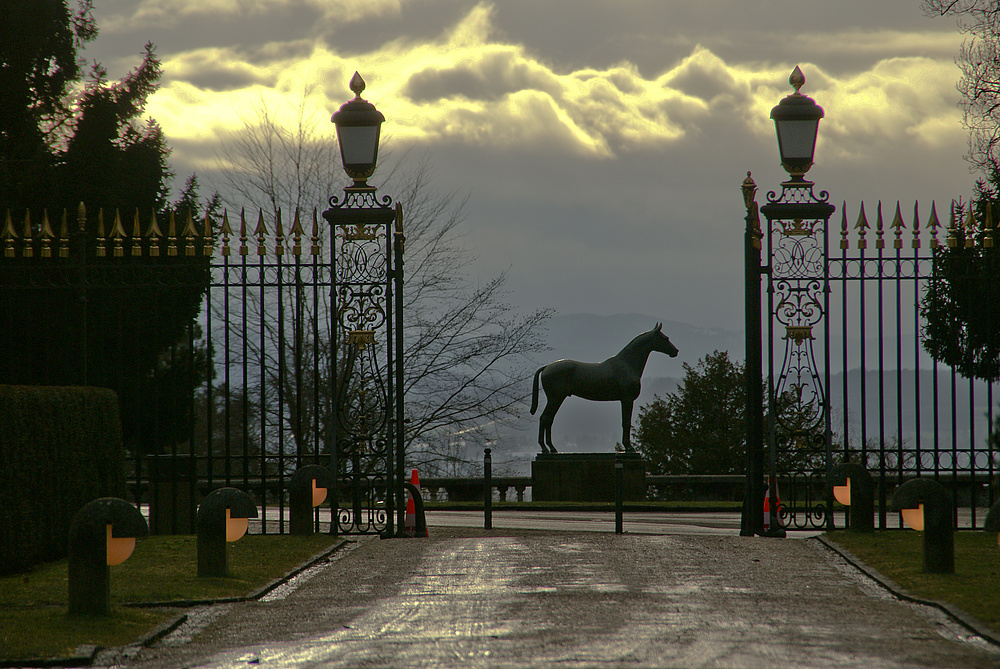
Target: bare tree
[
  {"x": 275, "y": 165},
  {"x": 467, "y": 352},
  {"x": 979, "y": 84}
]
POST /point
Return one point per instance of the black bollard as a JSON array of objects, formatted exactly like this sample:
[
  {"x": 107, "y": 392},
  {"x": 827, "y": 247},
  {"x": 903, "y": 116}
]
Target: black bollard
[
  {"x": 488, "y": 490},
  {"x": 854, "y": 481},
  {"x": 221, "y": 517},
  {"x": 619, "y": 475},
  {"x": 936, "y": 521},
  {"x": 100, "y": 530},
  {"x": 992, "y": 523},
  {"x": 307, "y": 482}
]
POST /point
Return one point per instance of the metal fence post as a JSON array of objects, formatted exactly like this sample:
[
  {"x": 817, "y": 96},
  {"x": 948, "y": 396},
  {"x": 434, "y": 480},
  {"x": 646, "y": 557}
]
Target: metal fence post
[
  {"x": 488, "y": 490},
  {"x": 619, "y": 472},
  {"x": 753, "y": 498}
]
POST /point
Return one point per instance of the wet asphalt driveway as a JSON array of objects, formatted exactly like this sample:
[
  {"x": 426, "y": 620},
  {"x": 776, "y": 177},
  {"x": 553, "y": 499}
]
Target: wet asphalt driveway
[{"x": 467, "y": 598}]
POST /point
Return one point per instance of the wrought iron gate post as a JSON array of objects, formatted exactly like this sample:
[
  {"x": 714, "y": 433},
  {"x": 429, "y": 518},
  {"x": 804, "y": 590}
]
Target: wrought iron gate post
[
  {"x": 798, "y": 403},
  {"x": 366, "y": 351},
  {"x": 797, "y": 268},
  {"x": 367, "y": 304},
  {"x": 399, "y": 424},
  {"x": 752, "y": 522}
]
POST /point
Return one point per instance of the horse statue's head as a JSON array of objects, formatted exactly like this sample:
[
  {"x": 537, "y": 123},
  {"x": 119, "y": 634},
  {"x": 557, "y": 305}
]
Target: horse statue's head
[{"x": 661, "y": 342}]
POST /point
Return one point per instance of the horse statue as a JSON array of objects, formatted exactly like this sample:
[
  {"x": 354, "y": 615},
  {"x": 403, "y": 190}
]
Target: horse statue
[{"x": 616, "y": 378}]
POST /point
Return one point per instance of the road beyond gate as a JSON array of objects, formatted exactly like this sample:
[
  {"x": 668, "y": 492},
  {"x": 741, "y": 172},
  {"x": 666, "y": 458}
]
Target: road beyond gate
[{"x": 469, "y": 598}]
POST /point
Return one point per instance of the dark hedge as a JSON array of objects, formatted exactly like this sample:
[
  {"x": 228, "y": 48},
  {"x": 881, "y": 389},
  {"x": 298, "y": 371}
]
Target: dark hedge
[{"x": 60, "y": 447}]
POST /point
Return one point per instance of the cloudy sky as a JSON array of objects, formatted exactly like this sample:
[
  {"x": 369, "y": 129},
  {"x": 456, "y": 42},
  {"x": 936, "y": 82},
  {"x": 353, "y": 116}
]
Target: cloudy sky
[{"x": 602, "y": 143}]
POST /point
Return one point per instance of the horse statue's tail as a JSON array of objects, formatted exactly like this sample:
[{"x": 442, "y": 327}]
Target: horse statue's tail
[{"x": 534, "y": 392}]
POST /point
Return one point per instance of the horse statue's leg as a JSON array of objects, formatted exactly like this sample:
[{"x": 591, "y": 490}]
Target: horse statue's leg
[
  {"x": 627, "y": 425},
  {"x": 548, "y": 440},
  {"x": 541, "y": 433},
  {"x": 552, "y": 405}
]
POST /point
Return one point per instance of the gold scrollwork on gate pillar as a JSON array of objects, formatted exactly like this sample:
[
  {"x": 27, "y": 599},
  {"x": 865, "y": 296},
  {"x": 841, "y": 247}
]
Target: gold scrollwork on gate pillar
[
  {"x": 798, "y": 228},
  {"x": 798, "y": 333},
  {"x": 361, "y": 338},
  {"x": 360, "y": 232}
]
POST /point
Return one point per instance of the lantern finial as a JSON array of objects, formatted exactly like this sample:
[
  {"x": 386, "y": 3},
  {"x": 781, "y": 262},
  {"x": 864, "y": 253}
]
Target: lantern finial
[
  {"x": 796, "y": 79},
  {"x": 358, "y": 84}
]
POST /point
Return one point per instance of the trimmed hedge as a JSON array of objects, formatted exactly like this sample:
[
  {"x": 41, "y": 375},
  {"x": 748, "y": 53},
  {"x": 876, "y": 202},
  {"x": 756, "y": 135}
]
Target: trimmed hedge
[{"x": 59, "y": 449}]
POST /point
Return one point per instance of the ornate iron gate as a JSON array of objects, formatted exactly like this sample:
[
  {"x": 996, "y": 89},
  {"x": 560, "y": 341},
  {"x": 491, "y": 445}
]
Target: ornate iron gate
[
  {"x": 254, "y": 317},
  {"x": 857, "y": 309},
  {"x": 367, "y": 454}
]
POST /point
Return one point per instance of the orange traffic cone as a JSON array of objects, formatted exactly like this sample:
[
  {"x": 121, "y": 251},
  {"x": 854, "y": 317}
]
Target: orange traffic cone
[
  {"x": 767, "y": 506},
  {"x": 767, "y": 509},
  {"x": 410, "y": 522},
  {"x": 410, "y": 525}
]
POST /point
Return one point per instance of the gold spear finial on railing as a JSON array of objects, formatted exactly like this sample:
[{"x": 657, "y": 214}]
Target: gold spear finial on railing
[
  {"x": 136, "y": 235},
  {"x": 172, "y": 235},
  {"x": 118, "y": 236},
  {"x": 27, "y": 251},
  {"x": 969, "y": 226},
  {"x": 189, "y": 233},
  {"x": 279, "y": 236},
  {"x": 226, "y": 231},
  {"x": 315, "y": 236},
  {"x": 296, "y": 233},
  {"x": 862, "y": 226},
  {"x": 47, "y": 235},
  {"x": 8, "y": 237},
  {"x": 897, "y": 225},
  {"x": 879, "y": 241},
  {"x": 954, "y": 224},
  {"x": 64, "y": 235},
  {"x": 244, "y": 250},
  {"x": 933, "y": 224},
  {"x": 844, "y": 242},
  {"x": 261, "y": 233},
  {"x": 101, "y": 249},
  {"x": 206, "y": 242},
  {"x": 155, "y": 235}
]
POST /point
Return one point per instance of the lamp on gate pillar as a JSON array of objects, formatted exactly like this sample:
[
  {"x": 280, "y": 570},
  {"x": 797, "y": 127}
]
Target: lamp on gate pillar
[
  {"x": 796, "y": 120},
  {"x": 358, "y": 127},
  {"x": 797, "y": 217},
  {"x": 368, "y": 430}
]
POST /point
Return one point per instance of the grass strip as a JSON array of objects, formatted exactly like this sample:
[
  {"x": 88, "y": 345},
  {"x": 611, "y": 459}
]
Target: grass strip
[
  {"x": 34, "y": 622},
  {"x": 898, "y": 555}
]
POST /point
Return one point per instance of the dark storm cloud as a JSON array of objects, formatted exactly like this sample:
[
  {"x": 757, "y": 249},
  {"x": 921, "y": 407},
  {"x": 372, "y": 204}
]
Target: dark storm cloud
[
  {"x": 219, "y": 78},
  {"x": 603, "y": 143},
  {"x": 493, "y": 76},
  {"x": 655, "y": 34}
]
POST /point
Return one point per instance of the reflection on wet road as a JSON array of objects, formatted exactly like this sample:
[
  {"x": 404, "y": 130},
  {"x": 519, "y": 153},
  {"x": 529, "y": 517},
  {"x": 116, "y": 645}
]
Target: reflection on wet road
[{"x": 580, "y": 600}]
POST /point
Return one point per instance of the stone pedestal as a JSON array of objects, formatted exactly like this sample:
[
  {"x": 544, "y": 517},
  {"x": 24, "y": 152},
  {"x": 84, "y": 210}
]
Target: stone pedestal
[{"x": 586, "y": 477}]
